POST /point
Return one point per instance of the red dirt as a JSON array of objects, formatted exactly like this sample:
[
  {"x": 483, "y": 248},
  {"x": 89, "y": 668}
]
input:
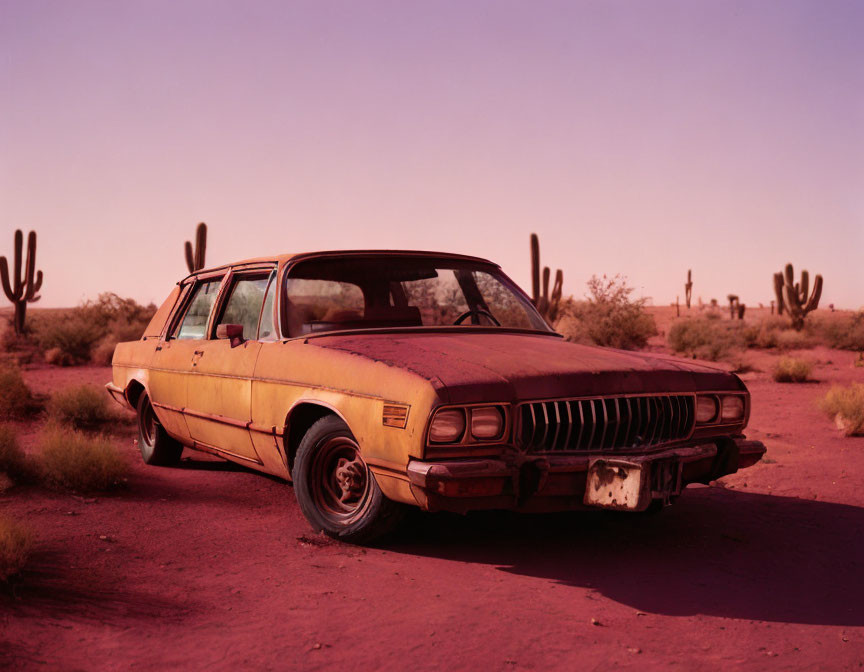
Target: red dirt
[{"x": 212, "y": 566}]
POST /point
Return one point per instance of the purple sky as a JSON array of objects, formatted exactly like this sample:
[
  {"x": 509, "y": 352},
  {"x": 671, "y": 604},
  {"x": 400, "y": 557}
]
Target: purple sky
[{"x": 642, "y": 138}]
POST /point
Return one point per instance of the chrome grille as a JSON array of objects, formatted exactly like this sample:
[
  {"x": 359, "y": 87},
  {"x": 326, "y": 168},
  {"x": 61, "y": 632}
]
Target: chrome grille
[{"x": 605, "y": 423}]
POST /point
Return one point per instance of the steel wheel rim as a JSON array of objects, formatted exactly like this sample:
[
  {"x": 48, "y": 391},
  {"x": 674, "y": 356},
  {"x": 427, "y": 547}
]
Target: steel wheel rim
[
  {"x": 147, "y": 422},
  {"x": 340, "y": 480}
]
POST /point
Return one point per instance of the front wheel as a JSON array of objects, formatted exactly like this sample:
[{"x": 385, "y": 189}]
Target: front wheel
[
  {"x": 335, "y": 488},
  {"x": 156, "y": 446}
]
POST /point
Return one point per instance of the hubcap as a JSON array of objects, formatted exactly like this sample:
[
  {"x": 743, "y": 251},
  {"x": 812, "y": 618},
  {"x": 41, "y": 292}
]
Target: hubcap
[{"x": 339, "y": 480}]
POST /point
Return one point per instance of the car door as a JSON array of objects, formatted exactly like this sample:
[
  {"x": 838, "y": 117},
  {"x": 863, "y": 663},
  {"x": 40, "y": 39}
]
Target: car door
[
  {"x": 175, "y": 354},
  {"x": 219, "y": 393}
]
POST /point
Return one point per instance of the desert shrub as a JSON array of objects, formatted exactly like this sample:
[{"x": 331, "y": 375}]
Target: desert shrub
[
  {"x": 13, "y": 461},
  {"x": 65, "y": 338},
  {"x": 572, "y": 328},
  {"x": 791, "y": 370},
  {"x": 16, "y": 545},
  {"x": 91, "y": 330},
  {"x": 609, "y": 317},
  {"x": 705, "y": 338},
  {"x": 82, "y": 406},
  {"x": 78, "y": 461},
  {"x": 843, "y": 332},
  {"x": 776, "y": 332},
  {"x": 16, "y": 399},
  {"x": 846, "y": 406}
]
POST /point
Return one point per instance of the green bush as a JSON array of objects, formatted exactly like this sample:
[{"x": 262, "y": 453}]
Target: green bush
[
  {"x": 609, "y": 317},
  {"x": 846, "y": 406},
  {"x": 16, "y": 545},
  {"x": 792, "y": 370},
  {"x": 78, "y": 461},
  {"x": 16, "y": 399},
  {"x": 82, "y": 406},
  {"x": 706, "y": 338}
]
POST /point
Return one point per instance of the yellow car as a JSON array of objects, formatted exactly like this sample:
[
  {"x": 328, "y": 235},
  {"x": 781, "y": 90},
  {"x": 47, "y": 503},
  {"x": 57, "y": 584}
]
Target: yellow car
[{"x": 378, "y": 379}]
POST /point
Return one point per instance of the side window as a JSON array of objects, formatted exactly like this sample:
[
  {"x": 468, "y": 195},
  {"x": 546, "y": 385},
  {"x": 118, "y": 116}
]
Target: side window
[
  {"x": 194, "y": 324},
  {"x": 244, "y": 304}
]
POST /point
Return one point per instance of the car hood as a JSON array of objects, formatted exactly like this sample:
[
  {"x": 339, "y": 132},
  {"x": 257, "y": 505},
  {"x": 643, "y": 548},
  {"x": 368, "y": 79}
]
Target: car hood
[{"x": 480, "y": 366}]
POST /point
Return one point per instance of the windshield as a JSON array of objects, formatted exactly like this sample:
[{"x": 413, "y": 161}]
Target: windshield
[{"x": 378, "y": 292}]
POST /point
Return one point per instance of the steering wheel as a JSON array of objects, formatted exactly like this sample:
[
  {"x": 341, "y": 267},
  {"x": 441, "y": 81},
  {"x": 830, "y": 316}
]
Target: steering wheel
[{"x": 478, "y": 312}]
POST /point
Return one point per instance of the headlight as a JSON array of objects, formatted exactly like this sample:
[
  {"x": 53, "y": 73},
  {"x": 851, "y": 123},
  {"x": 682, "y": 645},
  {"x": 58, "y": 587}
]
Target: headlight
[
  {"x": 706, "y": 409},
  {"x": 448, "y": 426},
  {"x": 486, "y": 422},
  {"x": 732, "y": 407}
]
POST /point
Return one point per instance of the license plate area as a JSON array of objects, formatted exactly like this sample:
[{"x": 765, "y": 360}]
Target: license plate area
[
  {"x": 618, "y": 484},
  {"x": 630, "y": 485}
]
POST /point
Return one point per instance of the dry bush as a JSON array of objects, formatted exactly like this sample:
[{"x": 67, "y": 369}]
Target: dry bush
[
  {"x": 16, "y": 399},
  {"x": 74, "y": 460},
  {"x": 571, "y": 328},
  {"x": 13, "y": 461},
  {"x": 609, "y": 317},
  {"x": 792, "y": 370},
  {"x": 81, "y": 406},
  {"x": 16, "y": 544},
  {"x": 776, "y": 332},
  {"x": 843, "y": 332},
  {"x": 846, "y": 406},
  {"x": 706, "y": 338},
  {"x": 91, "y": 330}
]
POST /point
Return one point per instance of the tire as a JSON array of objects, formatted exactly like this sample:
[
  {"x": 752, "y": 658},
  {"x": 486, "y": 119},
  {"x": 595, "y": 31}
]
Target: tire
[
  {"x": 336, "y": 490},
  {"x": 157, "y": 448}
]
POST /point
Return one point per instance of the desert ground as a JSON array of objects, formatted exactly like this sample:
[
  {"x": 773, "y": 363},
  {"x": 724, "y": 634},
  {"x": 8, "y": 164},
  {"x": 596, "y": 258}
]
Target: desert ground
[{"x": 211, "y": 566}]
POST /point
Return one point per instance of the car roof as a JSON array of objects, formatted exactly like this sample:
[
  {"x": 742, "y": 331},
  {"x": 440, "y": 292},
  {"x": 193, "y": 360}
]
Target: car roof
[{"x": 286, "y": 258}]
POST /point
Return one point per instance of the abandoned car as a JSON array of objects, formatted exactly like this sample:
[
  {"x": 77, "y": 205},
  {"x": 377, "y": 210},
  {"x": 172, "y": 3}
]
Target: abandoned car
[{"x": 377, "y": 379}]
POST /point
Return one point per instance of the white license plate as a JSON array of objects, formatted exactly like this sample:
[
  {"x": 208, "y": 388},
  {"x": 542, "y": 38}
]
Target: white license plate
[{"x": 618, "y": 484}]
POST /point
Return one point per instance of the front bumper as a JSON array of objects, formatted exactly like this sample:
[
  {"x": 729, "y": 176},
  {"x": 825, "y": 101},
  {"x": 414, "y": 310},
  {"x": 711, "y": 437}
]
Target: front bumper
[{"x": 526, "y": 482}]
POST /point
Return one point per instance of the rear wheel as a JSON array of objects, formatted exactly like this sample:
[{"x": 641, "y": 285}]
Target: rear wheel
[
  {"x": 335, "y": 488},
  {"x": 156, "y": 446}
]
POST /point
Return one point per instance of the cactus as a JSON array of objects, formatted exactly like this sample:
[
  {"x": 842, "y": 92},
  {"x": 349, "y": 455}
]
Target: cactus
[
  {"x": 733, "y": 305},
  {"x": 688, "y": 289},
  {"x": 22, "y": 288},
  {"x": 195, "y": 259},
  {"x": 797, "y": 302},
  {"x": 547, "y": 305},
  {"x": 778, "y": 291}
]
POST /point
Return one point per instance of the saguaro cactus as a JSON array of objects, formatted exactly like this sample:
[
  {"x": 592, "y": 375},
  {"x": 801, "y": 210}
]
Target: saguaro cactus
[
  {"x": 688, "y": 289},
  {"x": 22, "y": 288},
  {"x": 798, "y": 304},
  {"x": 733, "y": 305},
  {"x": 546, "y": 305},
  {"x": 195, "y": 259},
  {"x": 778, "y": 291}
]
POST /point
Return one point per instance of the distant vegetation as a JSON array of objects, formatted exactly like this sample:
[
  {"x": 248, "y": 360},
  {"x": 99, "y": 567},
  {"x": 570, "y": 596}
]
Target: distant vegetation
[{"x": 83, "y": 334}]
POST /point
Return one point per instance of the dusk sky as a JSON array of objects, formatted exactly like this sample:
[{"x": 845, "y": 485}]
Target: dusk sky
[{"x": 638, "y": 137}]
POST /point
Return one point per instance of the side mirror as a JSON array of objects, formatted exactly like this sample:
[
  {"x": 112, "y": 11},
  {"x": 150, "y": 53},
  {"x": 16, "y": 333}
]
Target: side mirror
[{"x": 234, "y": 332}]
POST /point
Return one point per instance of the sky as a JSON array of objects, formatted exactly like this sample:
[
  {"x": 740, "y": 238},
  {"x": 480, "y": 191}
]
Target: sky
[{"x": 635, "y": 137}]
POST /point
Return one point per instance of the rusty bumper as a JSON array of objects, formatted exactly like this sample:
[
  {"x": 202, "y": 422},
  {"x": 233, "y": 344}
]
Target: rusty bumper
[
  {"x": 561, "y": 482},
  {"x": 118, "y": 395}
]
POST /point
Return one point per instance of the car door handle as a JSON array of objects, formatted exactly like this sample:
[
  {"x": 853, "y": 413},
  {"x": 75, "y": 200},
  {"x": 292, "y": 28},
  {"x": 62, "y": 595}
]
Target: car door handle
[{"x": 196, "y": 355}]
